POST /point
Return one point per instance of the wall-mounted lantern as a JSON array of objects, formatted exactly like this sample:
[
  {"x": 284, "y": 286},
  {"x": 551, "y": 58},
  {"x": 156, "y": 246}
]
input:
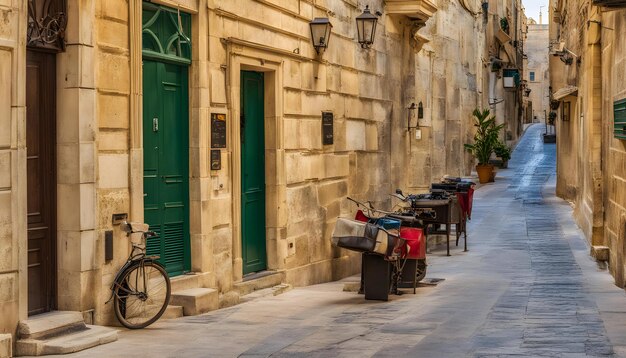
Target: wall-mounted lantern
[
  {"x": 485, "y": 6},
  {"x": 527, "y": 92},
  {"x": 420, "y": 112},
  {"x": 366, "y": 27},
  {"x": 320, "y": 33}
]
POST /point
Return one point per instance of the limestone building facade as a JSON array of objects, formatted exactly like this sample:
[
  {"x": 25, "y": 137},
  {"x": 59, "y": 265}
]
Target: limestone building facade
[
  {"x": 536, "y": 71},
  {"x": 209, "y": 120},
  {"x": 587, "y": 94}
]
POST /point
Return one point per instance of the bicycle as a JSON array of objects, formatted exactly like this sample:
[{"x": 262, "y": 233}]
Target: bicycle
[{"x": 141, "y": 289}]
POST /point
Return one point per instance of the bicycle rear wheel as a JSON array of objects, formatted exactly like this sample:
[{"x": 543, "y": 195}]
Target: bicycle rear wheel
[{"x": 141, "y": 295}]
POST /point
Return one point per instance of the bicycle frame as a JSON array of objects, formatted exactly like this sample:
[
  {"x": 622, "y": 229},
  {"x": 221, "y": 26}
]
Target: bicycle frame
[{"x": 137, "y": 254}]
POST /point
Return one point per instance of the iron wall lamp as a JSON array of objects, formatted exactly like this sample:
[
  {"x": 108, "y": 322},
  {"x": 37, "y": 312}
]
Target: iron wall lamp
[
  {"x": 320, "y": 33},
  {"x": 366, "y": 27}
]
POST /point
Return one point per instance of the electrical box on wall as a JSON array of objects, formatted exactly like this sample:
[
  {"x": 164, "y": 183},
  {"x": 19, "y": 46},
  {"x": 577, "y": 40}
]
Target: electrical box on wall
[{"x": 418, "y": 134}]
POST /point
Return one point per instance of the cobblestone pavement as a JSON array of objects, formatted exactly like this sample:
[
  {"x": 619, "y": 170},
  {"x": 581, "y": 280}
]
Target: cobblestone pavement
[{"x": 526, "y": 288}]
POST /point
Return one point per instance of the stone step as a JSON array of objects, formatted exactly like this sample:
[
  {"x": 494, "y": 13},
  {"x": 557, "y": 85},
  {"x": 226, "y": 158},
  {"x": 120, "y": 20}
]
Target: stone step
[
  {"x": 196, "y": 301},
  {"x": 259, "y": 281},
  {"x": 88, "y": 337},
  {"x": 50, "y": 324},
  {"x": 172, "y": 312},
  {"x": 184, "y": 282},
  {"x": 272, "y": 291}
]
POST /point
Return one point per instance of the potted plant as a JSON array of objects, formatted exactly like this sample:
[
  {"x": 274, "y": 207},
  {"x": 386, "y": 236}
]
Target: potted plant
[
  {"x": 551, "y": 117},
  {"x": 503, "y": 152},
  {"x": 485, "y": 140}
]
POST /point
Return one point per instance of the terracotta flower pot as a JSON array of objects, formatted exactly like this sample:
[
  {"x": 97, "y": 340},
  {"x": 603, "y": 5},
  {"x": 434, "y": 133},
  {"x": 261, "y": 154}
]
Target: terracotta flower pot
[{"x": 484, "y": 173}]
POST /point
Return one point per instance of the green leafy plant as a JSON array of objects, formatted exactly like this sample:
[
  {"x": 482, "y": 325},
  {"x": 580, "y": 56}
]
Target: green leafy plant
[
  {"x": 504, "y": 24},
  {"x": 486, "y": 137},
  {"x": 551, "y": 117},
  {"x": 502, "y": 151}
]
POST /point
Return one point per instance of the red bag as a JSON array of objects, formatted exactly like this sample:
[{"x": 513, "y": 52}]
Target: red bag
[{"x": 415, "y": 242}]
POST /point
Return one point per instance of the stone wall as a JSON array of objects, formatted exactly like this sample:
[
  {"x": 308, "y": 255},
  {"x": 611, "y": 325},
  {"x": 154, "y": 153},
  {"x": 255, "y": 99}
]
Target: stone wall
[
  {"x": 13, "y": 297},
  {"x": 589, "y": 157},
  {"x": 536, "y": 47},
  {"x": 613, "y": 149},
  {"x": 99, "y": 135}
]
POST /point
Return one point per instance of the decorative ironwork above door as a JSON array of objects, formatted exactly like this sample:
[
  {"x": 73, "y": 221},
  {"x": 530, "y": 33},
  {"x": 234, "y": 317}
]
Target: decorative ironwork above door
[
  {"x": 165, "y": 34},
  {"x": 47, "y": 20}
]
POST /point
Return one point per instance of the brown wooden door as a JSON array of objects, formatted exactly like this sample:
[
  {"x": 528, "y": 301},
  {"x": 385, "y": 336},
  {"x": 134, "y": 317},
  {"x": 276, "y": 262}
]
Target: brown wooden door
[{"x": 41, "y": 180}]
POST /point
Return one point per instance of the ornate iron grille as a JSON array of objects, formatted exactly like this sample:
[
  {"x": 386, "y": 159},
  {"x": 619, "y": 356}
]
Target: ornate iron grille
[{"x": 47, "y": 20}]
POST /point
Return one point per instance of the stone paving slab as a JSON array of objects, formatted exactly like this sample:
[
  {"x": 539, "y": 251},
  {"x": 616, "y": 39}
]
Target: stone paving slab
[{"x": 526, "y": 288}]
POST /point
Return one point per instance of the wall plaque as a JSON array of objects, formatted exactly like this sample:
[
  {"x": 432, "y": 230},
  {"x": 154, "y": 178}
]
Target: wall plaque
[
  {"x": 218, "y": 130},
  {"x": 327, "y": 128},
  {"x": 216, "y": 159}
]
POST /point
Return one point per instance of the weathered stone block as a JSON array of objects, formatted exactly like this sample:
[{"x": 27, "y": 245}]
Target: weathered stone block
[
  {"x": 113, "y": 171},
  {"x": 113, "y": 72},
  {"x": 112, "y": 110},
  {"x": 329, "y": 192},
  {"x": 355, "y": 135},
  {"x": 221, "y": 213},
  {"x": 292, "y": 74},
  {"x": 336, "y": 166},
  {"x": 114, "y": 9},
  {"x": 218, "y": 84},
  {"x": 293, "y": 102},
  {"x": 5, "y": 97},
  {"x": 110, "y": 202},
  {"x": 222, "y": 240},
  {"x": 112, "y": 33},
  {"x": 113, "y": 140},
  {"x": 6, "y": 346},
  {"x": 314, "y": 103}
]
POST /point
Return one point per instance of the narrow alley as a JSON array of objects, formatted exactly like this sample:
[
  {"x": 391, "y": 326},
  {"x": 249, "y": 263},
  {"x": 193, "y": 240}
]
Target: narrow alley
[{"x": 527, "y": 287}]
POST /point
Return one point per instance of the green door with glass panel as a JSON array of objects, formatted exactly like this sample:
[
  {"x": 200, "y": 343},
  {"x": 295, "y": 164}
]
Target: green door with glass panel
[
  {"x": 254, "y": 253},
  {"x": 166, "y": 50}
]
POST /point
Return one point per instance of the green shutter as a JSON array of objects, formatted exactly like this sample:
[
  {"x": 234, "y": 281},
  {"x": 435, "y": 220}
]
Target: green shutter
[{"x": 619, "y": 115}]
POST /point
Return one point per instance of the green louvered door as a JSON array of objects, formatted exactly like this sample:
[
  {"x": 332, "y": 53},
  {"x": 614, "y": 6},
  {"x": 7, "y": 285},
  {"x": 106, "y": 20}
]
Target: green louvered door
[
  {"x": 166, "y": 50},
  {"x": 166, "y": 163},
  {"x": 254, "y": 253}
]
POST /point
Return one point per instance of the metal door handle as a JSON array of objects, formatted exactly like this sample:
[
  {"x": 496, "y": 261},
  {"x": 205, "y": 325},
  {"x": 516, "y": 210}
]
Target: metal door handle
[{"x": 155, "y": 124}]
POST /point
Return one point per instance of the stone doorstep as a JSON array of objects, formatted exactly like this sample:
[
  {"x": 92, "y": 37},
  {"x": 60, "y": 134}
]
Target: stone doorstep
[
  {"x": 50, "y": 324},
  {"x": 268, "y": 280},
  {"x": 196, "y": 301},
  {"x": 184, "y": 282},
  {"x": 272, "y": 291},
  {"x": 89, "y": 337}
]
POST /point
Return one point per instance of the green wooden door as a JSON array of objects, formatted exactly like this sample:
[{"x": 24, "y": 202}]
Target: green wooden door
[
  {"x": 252, "y": 173},
  {"x": 166, "y": 163}
]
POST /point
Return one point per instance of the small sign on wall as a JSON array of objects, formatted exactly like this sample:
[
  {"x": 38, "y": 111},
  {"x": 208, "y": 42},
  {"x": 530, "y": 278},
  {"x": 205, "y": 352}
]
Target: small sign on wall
[
  {"x": 218, "y": 130},
  {"x": 327, "y": 128},
  {"x": 216, "y": 159}
]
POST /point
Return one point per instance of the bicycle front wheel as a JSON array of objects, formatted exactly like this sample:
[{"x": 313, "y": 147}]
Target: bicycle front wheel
[{"x": 141, "y": 295}]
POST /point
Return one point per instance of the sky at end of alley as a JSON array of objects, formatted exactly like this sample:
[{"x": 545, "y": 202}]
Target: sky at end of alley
[{"x": 532, "y": 8}]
